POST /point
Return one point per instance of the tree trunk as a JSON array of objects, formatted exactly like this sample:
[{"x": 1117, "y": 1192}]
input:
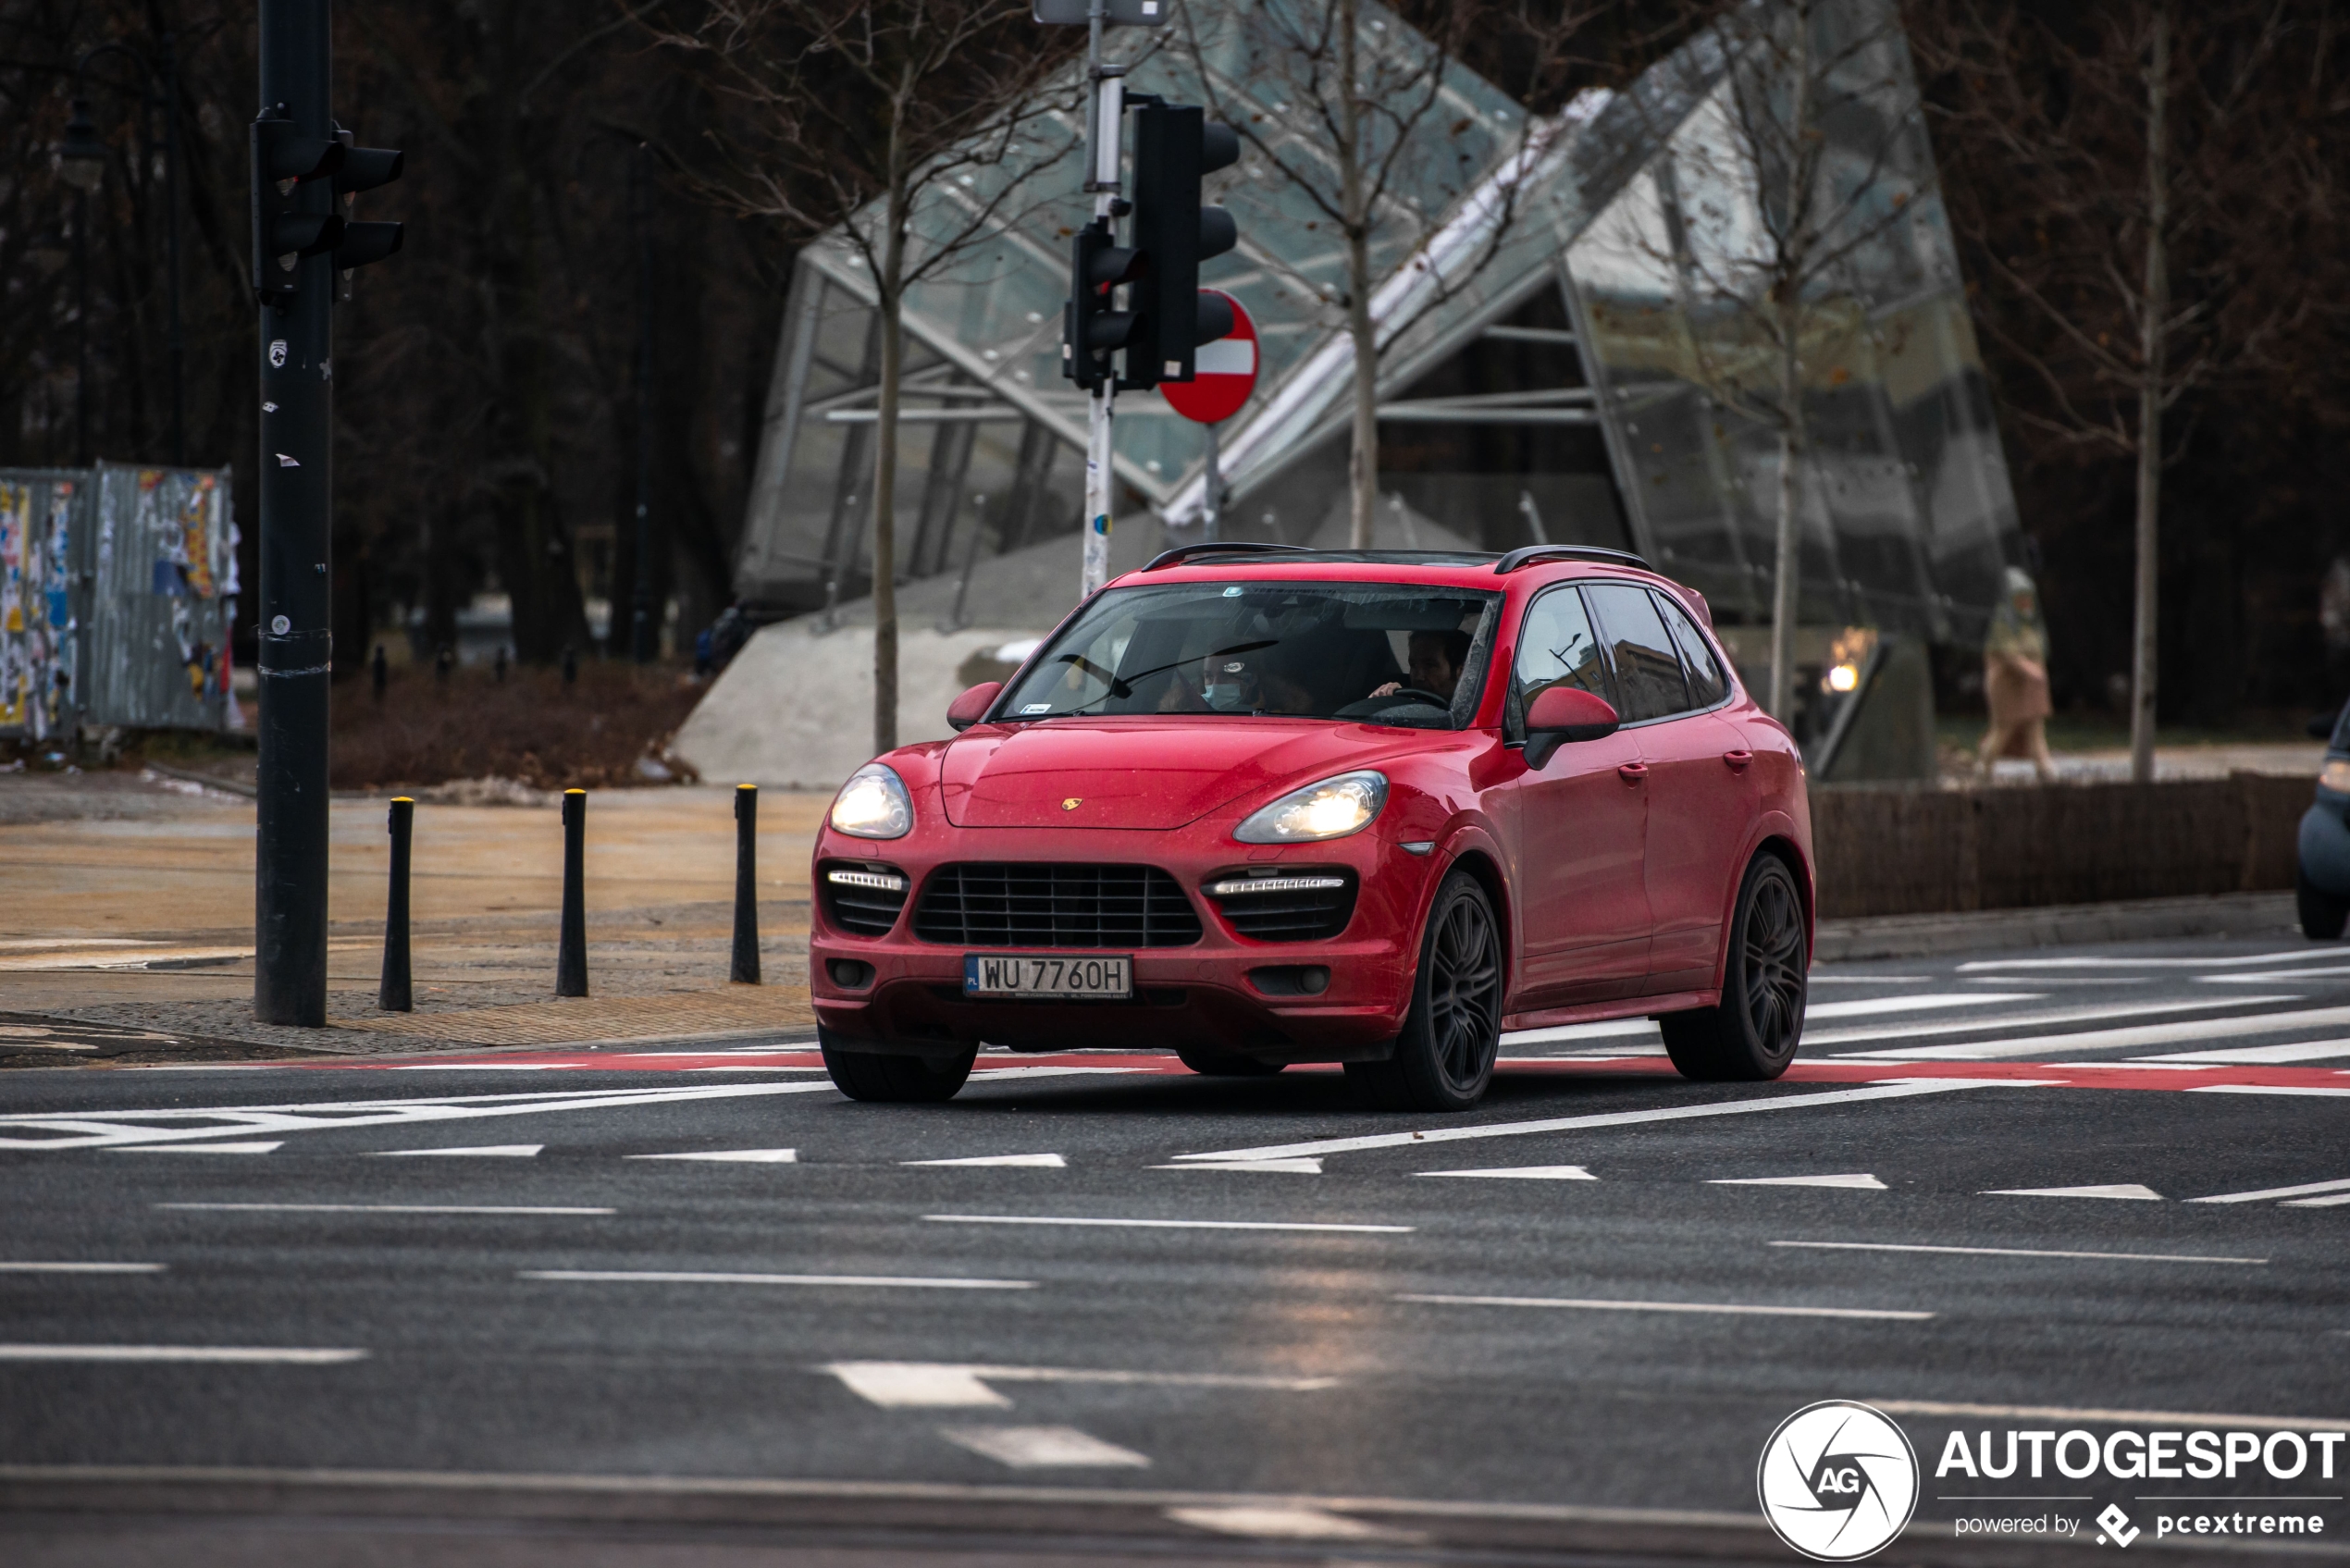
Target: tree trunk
[
  {"x": 893, "y": 357},
  {"x": 1787, "y": 579},
  {"x": 2153, "y": 341},
  {"x": 1362, "y": 471}
]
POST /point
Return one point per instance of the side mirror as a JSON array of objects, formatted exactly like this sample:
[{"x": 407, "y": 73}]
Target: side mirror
[
  {"x": 2322, "y": 727},
  {"x": 972, "y": 706},
  {"x": 1561, "y": 713}
]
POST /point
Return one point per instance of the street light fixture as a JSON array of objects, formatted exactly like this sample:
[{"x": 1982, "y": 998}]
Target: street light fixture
[{"x": 81, "y": 156}]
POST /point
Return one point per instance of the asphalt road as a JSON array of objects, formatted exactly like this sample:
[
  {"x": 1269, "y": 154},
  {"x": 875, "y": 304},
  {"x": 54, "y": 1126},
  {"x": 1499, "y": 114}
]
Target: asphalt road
[{"x": 1098, "y": 1305}]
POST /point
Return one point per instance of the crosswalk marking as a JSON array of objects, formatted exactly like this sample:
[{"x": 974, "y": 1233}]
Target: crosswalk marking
[
  {"x": 1040, "y": 1162},
  {"x": 901, "y": 1385},
  {"x": 1858, "y": 1181},
  {"x": 1721, "y": 1308},
  {"x": 744, "y": 1156},
  {"x": 2010, "y": 1252},
  {"x": 686, "y": 1277},
  {"x": 1525, "y": 1173},
  {"x": 1875, "y": 1005},
  {"x": 2117, "y": 1039},
  {"x": 2130, "y": 1190},
  {"x": 2240, "y": 962},
  {"x": 2050, "y": 1018},
  {"x": 172, "y": 1148},
  {"x": 2266, "y": 1194},
  {"x": 1039, "y": 1447},
  {"x": 486, "y": 1150},
  {"x": 233, "y": 1355},
  {"x": 1291, "y": 1167},
  {"x": 2307, "y": 1050}
]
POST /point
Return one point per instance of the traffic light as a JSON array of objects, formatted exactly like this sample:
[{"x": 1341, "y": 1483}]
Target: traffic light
[
  {"x": 363, "y": 168},
  {"x": 285, "y": 226},
  {"x": 1175, "y": 144},
  {"x": 1092, "y": 326}
]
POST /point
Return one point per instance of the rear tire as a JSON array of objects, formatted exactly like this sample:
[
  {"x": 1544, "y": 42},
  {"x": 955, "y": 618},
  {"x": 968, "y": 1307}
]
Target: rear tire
[
  {"x": 1211, "y": 1066},
  {"x": 2322, "y": 915},
  {"x": 887, "y": 1079},
  {"x": 1444, "y": 1057},
  {"x": 1752, "y": 1035}
]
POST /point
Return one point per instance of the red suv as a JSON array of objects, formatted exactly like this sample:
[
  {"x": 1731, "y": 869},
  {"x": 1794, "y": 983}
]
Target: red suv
[{"x": 1258, "y": 806}]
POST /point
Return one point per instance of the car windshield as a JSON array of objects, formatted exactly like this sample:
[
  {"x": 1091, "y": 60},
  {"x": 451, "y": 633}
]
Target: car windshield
[{"x": 1379, "y": 653}]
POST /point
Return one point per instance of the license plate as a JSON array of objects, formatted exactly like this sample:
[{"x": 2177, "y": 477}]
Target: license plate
[{"x": 1039, "y": 974}]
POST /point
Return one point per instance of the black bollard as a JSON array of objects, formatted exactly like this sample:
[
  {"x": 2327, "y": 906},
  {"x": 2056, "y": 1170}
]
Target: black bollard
[
  {"x": 379, "y": 672},
  {"x": 571, "y": 665},
  {"x": 393, "y": 995},
  {"x": 745, "y": 970},
  {"x": 443, "y": 662},
  {"x": 571, "y": 955},
  {"x": 501, "y": 664}
]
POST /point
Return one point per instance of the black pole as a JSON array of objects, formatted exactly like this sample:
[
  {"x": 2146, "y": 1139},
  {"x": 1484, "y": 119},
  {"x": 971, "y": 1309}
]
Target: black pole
[
  {"x": 571, "y": 955},
  {"x": 645, "y": 641},
  {"x": 80, "y": 328},
  {"x": 171, "y": 206},
  {"x": 394, "y": 995},
  {"x": 297, "y": 497},
  {"x": 746, "y": 967}
]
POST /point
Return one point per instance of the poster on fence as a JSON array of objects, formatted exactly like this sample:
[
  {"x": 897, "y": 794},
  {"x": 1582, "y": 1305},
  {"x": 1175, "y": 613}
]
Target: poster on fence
[{"x": 41, "y": 512}]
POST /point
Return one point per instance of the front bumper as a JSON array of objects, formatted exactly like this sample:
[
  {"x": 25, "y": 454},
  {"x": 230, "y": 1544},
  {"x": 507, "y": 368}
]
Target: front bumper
[{"x": 1224, "y": 993}]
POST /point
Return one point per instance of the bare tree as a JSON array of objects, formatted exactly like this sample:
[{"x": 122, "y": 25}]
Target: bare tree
[
  {"x": 1372, "y": 127},
  {"x": 1804, "y": 155},
  {"x": 859, "y": 120},
  {"x": 2172, "y": 177}
]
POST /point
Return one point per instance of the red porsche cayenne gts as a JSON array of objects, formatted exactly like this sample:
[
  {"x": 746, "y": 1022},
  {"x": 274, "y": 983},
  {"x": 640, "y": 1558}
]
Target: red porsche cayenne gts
[{"x": 1258, "y": 806}]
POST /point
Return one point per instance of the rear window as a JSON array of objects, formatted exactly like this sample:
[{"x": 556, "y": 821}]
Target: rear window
[{"x": 1379, "y": 653}]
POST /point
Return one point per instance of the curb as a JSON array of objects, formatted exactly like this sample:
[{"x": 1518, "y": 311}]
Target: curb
[{"x": 2056, "y": 925}]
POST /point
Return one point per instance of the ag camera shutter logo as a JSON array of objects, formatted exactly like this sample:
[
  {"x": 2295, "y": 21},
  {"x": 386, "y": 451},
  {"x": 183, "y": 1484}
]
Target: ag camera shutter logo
[{"x": 1838, "y": 1481}]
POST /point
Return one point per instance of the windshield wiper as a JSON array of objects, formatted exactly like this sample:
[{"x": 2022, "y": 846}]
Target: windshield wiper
[{"x": 1124, "y": 689}]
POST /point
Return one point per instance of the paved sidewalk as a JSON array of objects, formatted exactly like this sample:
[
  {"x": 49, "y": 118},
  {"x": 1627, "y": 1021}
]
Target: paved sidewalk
[{"x": 127, "y": 905}]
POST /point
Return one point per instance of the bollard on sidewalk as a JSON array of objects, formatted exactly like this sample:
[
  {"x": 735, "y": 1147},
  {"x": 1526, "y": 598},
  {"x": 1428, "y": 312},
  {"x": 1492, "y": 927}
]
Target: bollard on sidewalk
[
  {"x": 571, "y": 956},
  {"x": 393, "y": 995},
  {"x": 746, "y": 967}
]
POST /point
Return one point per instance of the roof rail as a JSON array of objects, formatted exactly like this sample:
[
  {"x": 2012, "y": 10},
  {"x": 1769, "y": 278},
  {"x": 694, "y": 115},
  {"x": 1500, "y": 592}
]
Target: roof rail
[
  {"x": 1533, "y": 553},
  {"x": 1182, "y": 553}
]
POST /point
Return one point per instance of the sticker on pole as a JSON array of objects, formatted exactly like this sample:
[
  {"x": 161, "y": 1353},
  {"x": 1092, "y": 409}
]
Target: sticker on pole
[{"x": 1224, "y": 372}]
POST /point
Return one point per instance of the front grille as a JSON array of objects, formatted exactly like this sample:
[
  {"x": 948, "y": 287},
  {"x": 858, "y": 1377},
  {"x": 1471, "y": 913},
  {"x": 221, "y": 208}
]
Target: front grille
[
  {"x": 1023, "y": 906},
  {"x": 861, "y": 898},
  {"x": 1296, "y": 903}
]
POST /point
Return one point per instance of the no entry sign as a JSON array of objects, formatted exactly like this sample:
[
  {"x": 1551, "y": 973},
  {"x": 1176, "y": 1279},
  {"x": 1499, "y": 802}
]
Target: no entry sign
[{"x": 1225, "y": 372}]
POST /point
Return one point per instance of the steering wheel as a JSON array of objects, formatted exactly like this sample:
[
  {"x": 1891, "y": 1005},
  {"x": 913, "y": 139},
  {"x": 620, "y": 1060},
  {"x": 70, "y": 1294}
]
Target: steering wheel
[{"x": 1400, "y": 693}]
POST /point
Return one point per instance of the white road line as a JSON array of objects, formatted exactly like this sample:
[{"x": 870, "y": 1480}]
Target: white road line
[
  {"x": 1294, "y": 1168},
  {"x": 2035, "y": 1020},
  {"x": 380, "y": 1208},
  {"x": 120, "y": 1129},
  {"x": 2243, "y": 962},
  {"x": 1166, "y": 1223},
  {"x": 1608, "y": 1029},
  {"x": 2105, "y": 1417},
  {"x": 2120, "y": 1039},
  {"x": 744, "y": 1156},
  {"x": 1858, "y": 1181},
  {"x": 1902, "y": 1090},
  {"x": 1719, "y": 1307},
  {"x": 2268, "y": 977},
  {"x": 2266, "y": 1089},
  {"x": 1819, "y": 978},
  {"x": 1523, "y": 1173},
  {"x": 679, "y": 1277},
  {"x": 2129, "y": 1190},
  {"x": 2269, "y": 1055},
  {"x": 1932, "y": 1003},
  {"x": 1042, "y": 1447},
  {"x": 487, "y": 1150},
  {"x": 177, "y": 1148},
  {"x": 2011, "y": 1252},
  {"x": 2335, "y": 1201},
  {"x": 1041, "y": 1162},
  {"x": 80, "y": 1268},
  {"x": 1288, "y": 1522},
  {"x": 903, "y": 1385},
  {"x": 2266, "y": 1193},
  {"x": 255, "y": 1355}
]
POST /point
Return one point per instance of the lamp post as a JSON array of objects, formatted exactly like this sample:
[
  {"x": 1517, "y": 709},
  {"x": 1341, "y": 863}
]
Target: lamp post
[{"x": 81, "y": 159}]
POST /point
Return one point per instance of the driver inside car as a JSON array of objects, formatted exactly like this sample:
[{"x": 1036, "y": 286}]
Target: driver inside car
[{"x": 1435, "y": 661}]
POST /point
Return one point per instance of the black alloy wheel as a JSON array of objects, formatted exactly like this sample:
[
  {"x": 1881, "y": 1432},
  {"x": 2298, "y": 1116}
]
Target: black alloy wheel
[
  {"x": 2322, "y": 915},
  {"x": 1443, "y": 1060},
  {"x": 890, "y": 1079},
  {"x": 1752, "y": 1034}
]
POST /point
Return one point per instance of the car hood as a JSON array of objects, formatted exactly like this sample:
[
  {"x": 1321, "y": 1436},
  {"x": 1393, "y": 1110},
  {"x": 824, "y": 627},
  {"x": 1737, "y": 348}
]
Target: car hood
[{"x": 1135, "y": 773}]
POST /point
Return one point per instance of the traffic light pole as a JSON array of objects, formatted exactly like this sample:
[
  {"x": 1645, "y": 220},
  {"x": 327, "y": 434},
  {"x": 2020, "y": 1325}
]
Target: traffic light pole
[
  {"x": 1109, "y": 123},
  {"x": 297, "y": 497}
]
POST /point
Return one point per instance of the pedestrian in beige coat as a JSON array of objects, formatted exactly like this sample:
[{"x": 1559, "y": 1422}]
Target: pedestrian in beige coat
[{"x": 2015, "y": 678}]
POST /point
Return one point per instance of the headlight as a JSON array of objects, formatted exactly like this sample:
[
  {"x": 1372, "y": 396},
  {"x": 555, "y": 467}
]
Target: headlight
[
  {"x": 873, "y": 804},
  {"x": 1330, "y": 810},
  {"x": 2335, "y": 777}
]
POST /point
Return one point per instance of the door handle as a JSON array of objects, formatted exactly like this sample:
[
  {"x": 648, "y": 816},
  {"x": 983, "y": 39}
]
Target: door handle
[
  {"x": 1738, "y": 759},
  {"x": 1632, "y": 772}
]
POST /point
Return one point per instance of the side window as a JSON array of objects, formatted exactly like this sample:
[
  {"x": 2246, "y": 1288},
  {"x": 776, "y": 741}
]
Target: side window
[
  {"x": 1555, "y": 644},
  {"x": 1648, "y": 671},
  {"x": 1708, "y": 685}
]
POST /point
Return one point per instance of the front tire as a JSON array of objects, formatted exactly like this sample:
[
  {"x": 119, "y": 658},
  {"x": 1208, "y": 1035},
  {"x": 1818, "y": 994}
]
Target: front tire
[
  {"x": 1752, "y": 1034},
  {"x": 1444, "y": 1057},
  {"x": 2322, "y": 915},
  {"x": 887, "y": 1079}
]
